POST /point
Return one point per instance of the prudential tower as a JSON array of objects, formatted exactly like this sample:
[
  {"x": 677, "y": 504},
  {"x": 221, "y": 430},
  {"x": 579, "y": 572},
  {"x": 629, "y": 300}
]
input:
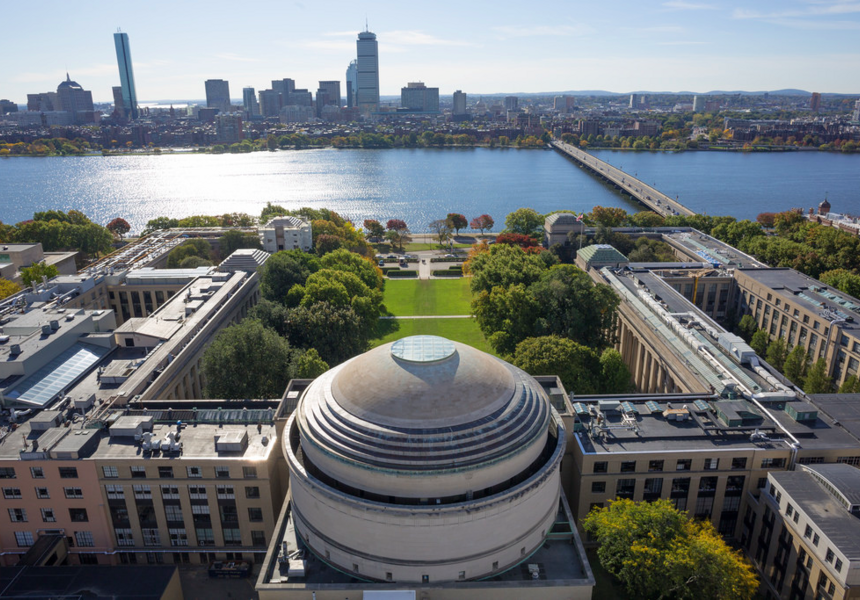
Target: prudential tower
[{"x": 368, "y": 73}]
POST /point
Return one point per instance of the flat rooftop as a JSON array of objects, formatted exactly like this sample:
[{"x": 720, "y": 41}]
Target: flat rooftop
[
  {"x": 94, "y": 583},
  {"x": 711, "y": 250}
]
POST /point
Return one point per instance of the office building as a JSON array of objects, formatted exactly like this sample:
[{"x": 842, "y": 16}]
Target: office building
[
  {"x": 126, "y": 75},
  {"x": 332, "y": 91},
  {"x": 351, "y": 84},
  {"x": 228, "y": 128},
  {"x": 417, "y": 97},
  {"x": 7, "y": 106},
  {"x": 638, "y": 101},
  {"x": 367, "y": 73},
  {"x": 118, "y": 102},
  {"x": 295, "y": 113},
  {"x": 459, "y": 103},
  {"x": 699, "y": 103},
  {"x": 249, "y": 102},
  {"x": 286, "y": 233},
  {"x": 284, "y": 86},
  {"x": 218, "y": 95},
  {"x": 443, "y": 512},
  {"x": 44, "y": 102},
  {"x": 300, "y": 97},
  {"x": 271, "y": 102},
  {"x": 511, "y": 102},
  {"x": 802, "y": 532},
  {"x": 856, "y": 115},
  {"x": 564, "y": 104},
  {"x": 815, "y": 102}
]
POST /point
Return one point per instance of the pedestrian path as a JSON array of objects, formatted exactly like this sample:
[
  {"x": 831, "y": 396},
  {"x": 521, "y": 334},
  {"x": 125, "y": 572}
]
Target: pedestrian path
[{"x": 428, "y": 317}]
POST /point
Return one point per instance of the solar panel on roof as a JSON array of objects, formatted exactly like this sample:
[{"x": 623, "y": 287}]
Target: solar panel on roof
[
  {"x": 653, "y": 406},
  {"x": 63, "y": 370},
  {"x": 701, "y": 405},
  {"x": 580, "y": 408},
  {"x": 628, "y": 407}
]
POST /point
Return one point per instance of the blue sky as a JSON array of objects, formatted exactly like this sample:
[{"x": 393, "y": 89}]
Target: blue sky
[{"x": 479, "y": 47}]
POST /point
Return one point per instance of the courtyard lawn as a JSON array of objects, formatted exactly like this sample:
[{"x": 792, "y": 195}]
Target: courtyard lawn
[
  {"x": 386, "y": 248},
  {"x": 458, "y": 330},
  {"x": 428, "y": 296}
]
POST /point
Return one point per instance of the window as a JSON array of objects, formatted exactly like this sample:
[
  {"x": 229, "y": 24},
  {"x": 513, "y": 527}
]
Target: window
[
  {"x": 655, "y": 465},
  {"x": 200, "y": 509},
  {"x": 712, "y": 464},
  {"x": 249, "y": 472},
  {"x": 194, "y": 472},
  {"x": 124, "y": 537},
  {"x": 68, "y": 473},
  {"x": 205, "y": 536},
  {"x": 7, "y": 473},
  {"x": 796, "y": 517},
  {"x": 173, "y": 512},
  {"x": 225, "y": 492},
  {"x": 151, "y": 537},
  {"x": 258, "y": 538},
  {"x": 807, "y": 532},
  {"x": 628, "y": 466},
  {"x": 762, "y": 483},
  {"x": 232, "y": 537},
  {"x": 165, "y": 472},
  {"x": 599, "y": 467},
  {"x": 42, "y": 493},
  {"x": 18, "y": 515},
  {"x": 142, "y": 492},
  {"x": 110, "y": 472},
  {"x": 495, "y": 565},
  {"x": 252, "y": 492},
  {"x": 197, "y": 492},
  {"x": 138, "y": 472},
  {"x": 37, "y": 472},
  {"x": 255, "y": 514},
  {"x": 625, "y": 488},
  {"x": 73, "y": 492},
  {"x": 708, "y": 484},
  {"x": 170, "y": 492},
  {"x": 24, "y": 539},
  {"x": 815, "y": 539},
  {"x": 653, "y": 488},
  {"x": 789, "y": 510},
  {"x": 222, "y": 472},
  {"x": 115, "y": 492},
  {"x": 739, "y": 462},
  {"x": 178, "y": 537},
  {"x": 829, "y": 556},
  {"x": 838, "y": 565},
  {"x": 78, "y": 515},
  {"x": 11, "y": 493},
  {"x": 775, "y": 463},
  {"x": 684, "y": 464},
  {"x": 390, "y": 577},
  {"x": 48, "y": 515},
  {"x": 87, "y": 558},
  {"x": 704, "y": 506},
  {"x": 84, "y": 538},
  {"x": 598, "y": 487}
]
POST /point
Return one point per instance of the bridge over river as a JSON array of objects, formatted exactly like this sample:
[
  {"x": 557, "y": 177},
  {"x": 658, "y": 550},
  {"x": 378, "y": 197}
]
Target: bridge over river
[{"x": 648, "y": 196}]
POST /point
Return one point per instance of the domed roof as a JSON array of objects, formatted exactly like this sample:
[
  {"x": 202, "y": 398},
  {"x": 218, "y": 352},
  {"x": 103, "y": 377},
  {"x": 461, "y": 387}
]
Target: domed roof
[
  {"x": 68, "y": 83},
  {"x": 423, "y": 404}
]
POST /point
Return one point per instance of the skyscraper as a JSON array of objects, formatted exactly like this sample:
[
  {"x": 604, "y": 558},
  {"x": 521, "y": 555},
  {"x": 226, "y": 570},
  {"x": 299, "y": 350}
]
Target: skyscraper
[
  {"x": 118, "y": 101},
  {"x": 511, "y": 102},
  {"x": 284, "y": 86},
  {"x": 126, "y": 75},
  {"x": 459, "y": 103},
  {"x": 218, "y": 94},
  {"x": 815, "y": 102},
  {"x": 367, "y": 72},
  {"x": 351, "y": 84},
  {"x": 332, "y": 89},
  {"x": 417, "y": 97},
  {"x": 249, "y": 101}
]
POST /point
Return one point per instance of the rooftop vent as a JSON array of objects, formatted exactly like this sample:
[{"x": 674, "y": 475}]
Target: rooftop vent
[
  {"x": 231, "y": 442},
  {"x": 15, "y": 349}
]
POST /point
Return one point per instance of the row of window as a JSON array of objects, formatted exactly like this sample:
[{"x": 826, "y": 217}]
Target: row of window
[
  {"x": 84, "y": 539},
  {"x": 171, "y": 492},
  {"x": 39, "y": 472},
  {"x": 686, "y": 464},
  {"x": 42, "y": 493},
  {"x": 139, "y": 472},
  {"x": 76, "y": 515},
  {"x": 179, "y": 537}
]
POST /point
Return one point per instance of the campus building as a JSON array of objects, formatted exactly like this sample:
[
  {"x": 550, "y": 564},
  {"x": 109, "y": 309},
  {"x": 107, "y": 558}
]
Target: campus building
[{"x": 286, "y": 233}]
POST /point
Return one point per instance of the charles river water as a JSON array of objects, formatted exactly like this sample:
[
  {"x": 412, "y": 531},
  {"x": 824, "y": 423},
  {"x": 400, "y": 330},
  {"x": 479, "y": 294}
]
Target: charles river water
[{"x": 418, "y": 185}]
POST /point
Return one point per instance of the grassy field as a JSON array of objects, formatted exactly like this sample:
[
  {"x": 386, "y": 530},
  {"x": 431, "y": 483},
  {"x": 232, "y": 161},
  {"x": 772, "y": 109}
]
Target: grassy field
[
  {"x": 428, "y": 297},
  {"x": 413, "y": 247},
  {"x": 458, "y": 330}
]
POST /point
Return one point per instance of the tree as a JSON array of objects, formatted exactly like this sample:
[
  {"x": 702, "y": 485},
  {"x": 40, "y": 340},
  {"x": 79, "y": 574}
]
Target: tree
[
  {"x": 119, "y": 227},
  {"x": 766, "y": 219},
  {"x": 796, "y": 365},
  {"x": 336, "y": 332},
  {"x": 759, "y": 342},
  {"x": 35, "y": 272},
  {"x": 747, "y": 327},
  {"x": 851, "y": 385},
  {"x": 310, "y": 365},
  {"x": 398, "y": 232},
  {"x": 441, "y": 229},
  {"x": 456, "y": 221},
  {"x": 645, "y": 218},
  {"x": 192, "y": 262},
  {"x": 373, "y": 229},
  {"x": 482, "y": 223},
  {"x": 191, "y": 247},
  {"x": 270, "y": 211},
  {"x": 609, "y": 216},
  {"x": 658, "y": 552},
  {"x": 576, "y": 365},
  {"x": 7, "y": 288},
  {"x": 615, "y": 377},
  {"x": 234, "y": 240},
  {"x": 526, "y": 221},
  {"x": 776, "y": 354},
  {"x": 505, "y": 315},
  {"x": 842, "y": 280},
  {"x": 326, "y": 243},
  {"x": 504, "y": 265},
  {"x": 817, "y": 381},
  {"x": 159, "y": 223},
  {"x": 246, "y": 360},
  {"x": 285, "y": 269},
  {"x": 363, "y": 267},
  {"x": 516, "y": 239}
]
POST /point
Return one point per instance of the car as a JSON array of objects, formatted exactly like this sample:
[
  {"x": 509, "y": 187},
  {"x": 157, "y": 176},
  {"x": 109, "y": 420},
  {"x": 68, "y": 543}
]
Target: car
[
  {"x": 381, "y": 263},
  {"x": 450, "y": 256}
]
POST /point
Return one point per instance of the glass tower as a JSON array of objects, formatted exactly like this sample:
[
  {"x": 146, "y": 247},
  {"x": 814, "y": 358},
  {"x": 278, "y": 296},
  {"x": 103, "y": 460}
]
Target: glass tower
[
  {"x": 126, "y": 75},
  {"x": 367, "y": 91}
]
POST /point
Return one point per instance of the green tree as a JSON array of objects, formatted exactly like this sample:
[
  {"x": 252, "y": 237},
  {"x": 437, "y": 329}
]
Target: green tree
[
  {"x": 747, "y": 327},
  {"x": 373, "y": 229},
  {"x": 842, "y": 280},
  {"x": 851, "y": 385},
  {"x": 362, "y": 267},
  {"x": 234, "y": 240},
  {"x": 609, "y": 216},
  {"x": 35, "y": 272},
  {"x": 658, "y": 552},
  {"x": 777, "y": 351},
  {"x": 504, "y": 265},
  {"x": 340, "y": 288},
  {"x": 336, "y": 332},
  {"x": 615, "y": 377},
  {"x": 310, "y": 365},
  {"x": 158, "y": 224},
  {"x": 192, "y": 262},
  {"x": 441, "y": 229},
  {"x": 246, "y": 360},
  {"x": 526, "y": 221},
  {"x": 7, "y": 288},
  {"x": 576, "y": 365},
  {"x": 796, "y": 364},
  {"x": 191, "y": 247},
  {"x": 817, "y": 381},
  {"x": 271, "y": 211},
  {"x": 285, "y": 269},
  {"x": 398, "y": 232},
  {"x": 326, "y": 243},
  {"x": 760, "y": 341},
  {"x": 456, "y": 221},
  {"x": 505, "y": 315},
  {"x": 645, "y": 218}
]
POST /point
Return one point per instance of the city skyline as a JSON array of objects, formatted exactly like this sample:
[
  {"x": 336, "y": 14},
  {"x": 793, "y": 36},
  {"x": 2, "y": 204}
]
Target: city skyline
[{"x": 675, "y": 45}]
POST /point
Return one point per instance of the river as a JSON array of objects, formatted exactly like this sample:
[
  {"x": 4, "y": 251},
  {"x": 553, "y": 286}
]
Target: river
[{"x": 416, "y": 185}]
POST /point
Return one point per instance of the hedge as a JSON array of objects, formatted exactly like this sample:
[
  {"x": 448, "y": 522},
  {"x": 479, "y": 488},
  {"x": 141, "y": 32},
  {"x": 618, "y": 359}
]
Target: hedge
[
  {"x": 442, "y": 259},
  {"x": 402, "y": 274}
]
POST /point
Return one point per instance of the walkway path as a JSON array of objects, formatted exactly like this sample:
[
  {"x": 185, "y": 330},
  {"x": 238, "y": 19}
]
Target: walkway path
[{"x": 429, "y": 317}]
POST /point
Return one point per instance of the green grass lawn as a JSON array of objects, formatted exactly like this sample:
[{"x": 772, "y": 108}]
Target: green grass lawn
[
  {"x": 428, "y": 296},
  {"x": 458, "y": 330},
  {"x": 386, "y": 248}
]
